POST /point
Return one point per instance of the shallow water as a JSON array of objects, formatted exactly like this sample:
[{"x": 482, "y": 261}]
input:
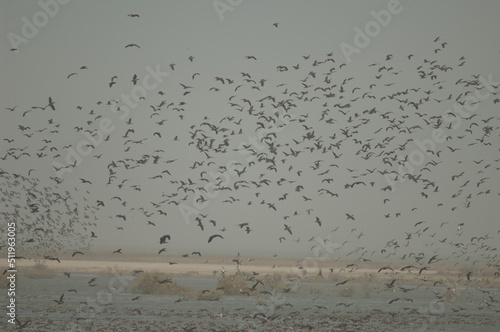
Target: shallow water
[{"x": 315, "y": 306}]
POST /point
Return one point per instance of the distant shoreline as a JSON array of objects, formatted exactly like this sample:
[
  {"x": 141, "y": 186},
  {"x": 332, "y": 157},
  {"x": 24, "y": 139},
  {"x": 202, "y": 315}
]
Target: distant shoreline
[{"x": 210, "y": 266}]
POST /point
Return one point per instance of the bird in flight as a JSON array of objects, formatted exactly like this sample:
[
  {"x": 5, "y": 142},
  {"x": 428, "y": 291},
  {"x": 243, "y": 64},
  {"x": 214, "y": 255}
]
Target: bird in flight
[
  {"x": 132, "y": 45},
  {"x": 391, "y": 284},
  {"x": 22, "y": 325},
  {"x": 385, "y": 268},
  {"x": 166, "y": 281},
  {"x": 85, "y": 181},
  {"x": 164, "y": 238},
  {"x": 51, "y": 104},
  {"x": 213, "y": 237},
  {"x": 342, "y": 282},
  {"x": 433, "y": 258},
  {"x": 53, "y": 259},
  {"x": 61, "y": 300},
  {"x": 345, "y": 304}
]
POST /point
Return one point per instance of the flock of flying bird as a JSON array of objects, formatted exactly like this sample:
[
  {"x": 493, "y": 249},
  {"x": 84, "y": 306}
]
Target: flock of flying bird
[
  {"x": 321, "y": 136},
  {"x": 328, "y": 119}
]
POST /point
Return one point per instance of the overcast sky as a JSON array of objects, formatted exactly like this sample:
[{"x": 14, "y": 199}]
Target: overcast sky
[{"x": 450, "y": 40}]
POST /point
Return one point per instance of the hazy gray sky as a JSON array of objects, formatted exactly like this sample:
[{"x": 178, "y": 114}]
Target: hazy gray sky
[{"x": 219, "y": 35}]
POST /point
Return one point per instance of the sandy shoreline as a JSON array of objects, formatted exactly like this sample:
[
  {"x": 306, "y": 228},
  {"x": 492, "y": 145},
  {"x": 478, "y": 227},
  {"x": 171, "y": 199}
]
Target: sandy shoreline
[
  {"x": 178, "y": 268},
  {"x": 210, "y": 266}
]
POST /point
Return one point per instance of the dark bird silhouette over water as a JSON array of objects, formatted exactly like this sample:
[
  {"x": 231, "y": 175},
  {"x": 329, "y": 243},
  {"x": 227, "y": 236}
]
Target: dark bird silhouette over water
[
  {"x": 61, "y": 300},
  {"x": 391, "y": 284},
  {"x": 22, "y": 325},
  {"x": 165, "y": 281},
  {"x": 342, "y": 282},
  {"x": 344, "y": 304}
]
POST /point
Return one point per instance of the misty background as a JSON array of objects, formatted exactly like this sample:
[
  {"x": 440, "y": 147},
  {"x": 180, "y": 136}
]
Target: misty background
[{"x": 94, "y": 34}]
